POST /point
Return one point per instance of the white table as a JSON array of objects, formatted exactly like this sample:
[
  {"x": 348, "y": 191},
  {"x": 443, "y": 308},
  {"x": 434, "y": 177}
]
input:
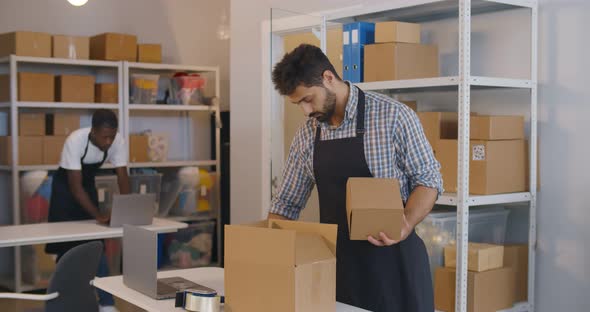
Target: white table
[
  {"x": 210, "y": 277},
  {"x": 53, "y": 232}
]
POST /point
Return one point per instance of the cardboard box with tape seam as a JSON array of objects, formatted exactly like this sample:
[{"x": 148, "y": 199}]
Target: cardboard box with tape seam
[
  {"x": 25, "y": 43},
  {"x": 36, "y": 87},
  {"x": 70, "y": 47},
  {"x": 394, "y": 31},
  {"x": 374, "y": 205},
  {"x": 276, "y": 265}
]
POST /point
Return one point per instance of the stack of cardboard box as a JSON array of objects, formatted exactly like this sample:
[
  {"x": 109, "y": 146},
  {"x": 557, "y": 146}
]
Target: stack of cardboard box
[
  {"x": 497, "y": 278},
  {"x": 41, "y": 138},
  {"x": 498, "y": 151},
  {"x": 398, "y": 54}
]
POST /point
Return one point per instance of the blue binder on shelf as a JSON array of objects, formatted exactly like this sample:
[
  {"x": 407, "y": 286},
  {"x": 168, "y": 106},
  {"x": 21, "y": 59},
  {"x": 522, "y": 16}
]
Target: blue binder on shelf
[
  {"x": 361, "y": 33},
  {"x": 346, "y": 53}
]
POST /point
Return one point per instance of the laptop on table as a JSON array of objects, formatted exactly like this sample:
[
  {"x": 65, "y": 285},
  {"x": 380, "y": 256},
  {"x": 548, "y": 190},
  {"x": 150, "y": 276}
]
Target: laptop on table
[
  {"x": 140, "y": 266},
  {"x": 134, "y": 209}
]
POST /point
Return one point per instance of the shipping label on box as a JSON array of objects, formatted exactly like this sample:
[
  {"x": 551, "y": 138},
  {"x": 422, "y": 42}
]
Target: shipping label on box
[
  {"x": 373, "y": 206},
  {"x": 279, "y": 265}
]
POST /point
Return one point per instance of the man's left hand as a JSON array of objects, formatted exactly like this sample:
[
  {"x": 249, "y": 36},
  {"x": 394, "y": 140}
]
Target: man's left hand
[{"x": 383, "y": 240}]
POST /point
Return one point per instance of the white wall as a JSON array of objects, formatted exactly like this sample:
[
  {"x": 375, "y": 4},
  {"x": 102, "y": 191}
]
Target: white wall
[
  {"x": 185, "y": 28},
  {"x": 562, "y": 271}
]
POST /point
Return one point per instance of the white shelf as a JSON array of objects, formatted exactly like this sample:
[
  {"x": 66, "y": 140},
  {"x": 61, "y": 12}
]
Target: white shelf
[
  {"x": 174, "y": 108},
  {"x": 61, "y": 61},
  {"x": 450, "y": 199},
  {"x": 450, "y": 83},
  {"x": 181, "y": 163},
  {"x": 172, "y": 67},
  {"x": 65, "y": 105},
  {"x": 422, "y": 10}
]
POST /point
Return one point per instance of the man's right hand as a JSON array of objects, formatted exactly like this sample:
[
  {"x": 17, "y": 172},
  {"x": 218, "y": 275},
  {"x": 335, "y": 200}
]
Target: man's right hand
[{"x": 103, "y": 218}]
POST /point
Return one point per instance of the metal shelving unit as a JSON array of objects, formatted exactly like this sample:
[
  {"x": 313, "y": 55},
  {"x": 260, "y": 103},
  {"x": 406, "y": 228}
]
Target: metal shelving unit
[
  {"x": 13, "y": 64},
  {"x": 183, "y": 112},
  {"x": 463, "y": 84}
]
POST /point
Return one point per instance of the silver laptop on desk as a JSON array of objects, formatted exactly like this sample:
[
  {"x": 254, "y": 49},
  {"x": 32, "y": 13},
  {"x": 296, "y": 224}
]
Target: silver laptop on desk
[
  {"x": 140, "y": 266},
  {"x": 134, "y": 209}
]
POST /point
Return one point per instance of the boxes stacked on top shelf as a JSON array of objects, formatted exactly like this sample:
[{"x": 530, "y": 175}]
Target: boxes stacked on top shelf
[
  {"x": 439, "y": 229},
  {"x": 106, "y": 93},
  {"x": 356, "y": 36},
  {"x": 113, "y": 47},
  {"x": 149, "y": 53},
  {"x": 398, "y": 54},
  {"x": 25, "y": 43},
  {"x": 74, "y": 88},
  {"x": 190, "y": 247},
  {"x": 491, "y": 282},
  {"x": 70, "y": 47}
]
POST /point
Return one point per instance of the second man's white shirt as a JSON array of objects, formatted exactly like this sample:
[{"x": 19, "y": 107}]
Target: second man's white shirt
[{"x": 74, "y": 150}]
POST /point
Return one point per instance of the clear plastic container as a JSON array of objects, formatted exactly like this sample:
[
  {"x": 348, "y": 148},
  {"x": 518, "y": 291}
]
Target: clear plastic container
[
  {"x": 147, "y": 184},
  {"x": 106, "y": 187},
  {"x": 190, "y": 247},
  {"x": 439, "y": 229},
  {"x": 144, "y": 88},
  {"x": 189, "y": 89}
]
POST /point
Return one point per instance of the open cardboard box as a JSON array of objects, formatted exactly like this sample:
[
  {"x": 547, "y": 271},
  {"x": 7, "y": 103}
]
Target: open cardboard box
[{"x": 277, "y": 265}]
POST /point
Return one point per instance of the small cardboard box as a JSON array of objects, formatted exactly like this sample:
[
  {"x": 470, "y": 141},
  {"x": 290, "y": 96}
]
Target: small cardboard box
[
  {"x": 280, "y": 266},
  {"x": 411, "y": 104},
  {"x": 394, "y": 61},
  {"x": 25, "y": 43},
  {"x": 149, "y": 53},
  {"x": 61, "y": 124},
  {"x": 52, "y": 147},
  {"x": 31, "y": 124},
  {"x": 481, "y": 257},
  {"x": 517, "y": 257},
  {"x": 74, "y": 88},
  {"x": 36, "y": 87},
  {"x": 113, "y": 47},
  {"x": 106, "y": 93},
  {"x": 70, "y": 47},
  {"x": 439, "y": 125},
  {"x": 495, "y": 167},
  {"x": 372, "y": 206},
  {"x": 397, "y": 32},
  {"x": 488, "y": 291},
  {"x": 138, "y": 148},
  {"x": 30, "y": 150},
  {"x": 497, "y": 128}
]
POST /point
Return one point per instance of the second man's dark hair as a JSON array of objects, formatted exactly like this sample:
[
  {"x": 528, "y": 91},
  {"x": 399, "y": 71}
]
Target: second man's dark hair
[
  {"x": 305, "y": 65},
  {"x": 104, "y": 118}
]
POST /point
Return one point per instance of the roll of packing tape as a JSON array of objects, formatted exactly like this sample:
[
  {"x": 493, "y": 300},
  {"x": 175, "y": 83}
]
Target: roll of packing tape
[{"x": 197, "y": 301}]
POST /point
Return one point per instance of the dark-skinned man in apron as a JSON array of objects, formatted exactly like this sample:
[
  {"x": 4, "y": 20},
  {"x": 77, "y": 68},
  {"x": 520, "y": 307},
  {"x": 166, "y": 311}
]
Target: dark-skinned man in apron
[
  {"x": 74, "y": 195},
  {"x": 350, "y": 133}
]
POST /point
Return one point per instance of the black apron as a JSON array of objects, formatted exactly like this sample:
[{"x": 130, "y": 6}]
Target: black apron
[
  {"x": 392, "y": 279},
  {"x": 64, "y": 207}
]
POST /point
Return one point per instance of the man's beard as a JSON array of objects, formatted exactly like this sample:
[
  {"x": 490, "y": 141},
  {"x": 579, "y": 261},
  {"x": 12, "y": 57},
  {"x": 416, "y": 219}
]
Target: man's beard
[{"x": 327, "y": 109}]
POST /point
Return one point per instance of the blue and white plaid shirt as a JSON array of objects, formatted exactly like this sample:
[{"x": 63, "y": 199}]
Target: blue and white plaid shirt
[{"x": 395, "y": 147}]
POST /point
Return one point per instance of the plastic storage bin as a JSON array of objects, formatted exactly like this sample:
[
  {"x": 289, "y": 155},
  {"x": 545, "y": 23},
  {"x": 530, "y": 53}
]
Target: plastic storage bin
[
  {"x": 147, "y": 184},
  {"x": 106, "y": 187},
  {"x": 439, "y": 229},
  {"x": 144, "y": 88},
  {"x": 190, "y": 247}
]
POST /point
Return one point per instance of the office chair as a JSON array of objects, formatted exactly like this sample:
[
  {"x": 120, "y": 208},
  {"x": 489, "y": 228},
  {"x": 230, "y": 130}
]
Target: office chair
[{"x": 69, "y": 288}]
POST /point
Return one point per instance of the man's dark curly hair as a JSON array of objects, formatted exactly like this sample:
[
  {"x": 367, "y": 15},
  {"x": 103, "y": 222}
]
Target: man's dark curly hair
[{"x": 305, "y": 66}]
